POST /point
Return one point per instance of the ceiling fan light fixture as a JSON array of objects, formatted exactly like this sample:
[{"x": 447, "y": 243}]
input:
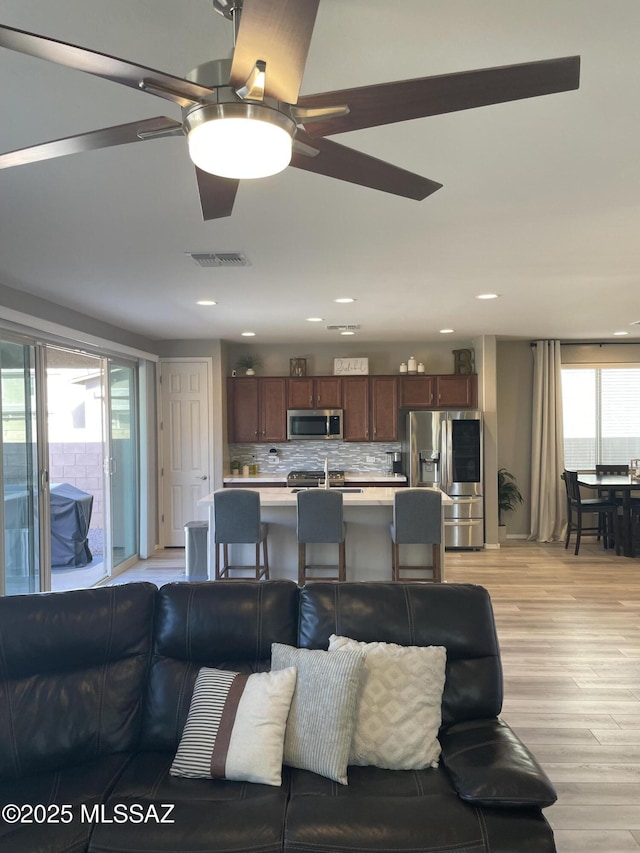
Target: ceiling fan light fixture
[{"x": 239, "y": 140}]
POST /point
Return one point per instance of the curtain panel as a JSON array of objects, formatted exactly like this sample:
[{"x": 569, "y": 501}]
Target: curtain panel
[{"x": 548, "y": 495}]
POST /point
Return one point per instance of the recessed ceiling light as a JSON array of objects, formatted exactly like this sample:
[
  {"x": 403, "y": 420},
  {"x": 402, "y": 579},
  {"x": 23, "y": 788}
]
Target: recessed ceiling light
[
  {"x": 315, "y": 320},
  {"x": 344, "y": 299},
  {"x": 487, "y": 296},
  {"x": 248, "y": 334},
  {"x": 619, "y": 334},
  {"x": 347, "y": 333},
  {"x": 206, "y": 302},
  {"x": 446, "y": 331}
]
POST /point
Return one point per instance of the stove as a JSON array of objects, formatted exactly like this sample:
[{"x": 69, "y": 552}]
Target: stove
[{"x": 314, "y": 478}]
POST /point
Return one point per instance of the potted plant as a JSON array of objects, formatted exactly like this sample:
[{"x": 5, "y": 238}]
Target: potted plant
[
  {"x": 509, "y": 496},
  {"x": 248, "y": 362}
]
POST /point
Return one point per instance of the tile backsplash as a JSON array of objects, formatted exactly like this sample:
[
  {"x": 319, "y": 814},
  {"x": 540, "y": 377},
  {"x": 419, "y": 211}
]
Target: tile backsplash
[{"x": 309, "y": 455}]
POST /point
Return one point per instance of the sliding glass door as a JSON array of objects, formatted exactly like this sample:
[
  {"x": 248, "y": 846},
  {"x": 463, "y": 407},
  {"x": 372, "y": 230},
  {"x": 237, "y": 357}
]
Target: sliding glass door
[
  {"x": 20, "y": 479},
  {"x": 69, "y": 466},
  {"x": 78, "y": 486},
  {"x": 123, "y": 463}
]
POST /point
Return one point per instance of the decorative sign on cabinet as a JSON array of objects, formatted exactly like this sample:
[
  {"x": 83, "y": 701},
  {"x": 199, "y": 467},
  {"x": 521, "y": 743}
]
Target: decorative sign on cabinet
[{"x": 350, "y": 366}]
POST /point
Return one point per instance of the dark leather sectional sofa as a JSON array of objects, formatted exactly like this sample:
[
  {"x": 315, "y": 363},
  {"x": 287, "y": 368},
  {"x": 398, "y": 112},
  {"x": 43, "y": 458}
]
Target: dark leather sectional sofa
[{"x": 95, "y": 689}]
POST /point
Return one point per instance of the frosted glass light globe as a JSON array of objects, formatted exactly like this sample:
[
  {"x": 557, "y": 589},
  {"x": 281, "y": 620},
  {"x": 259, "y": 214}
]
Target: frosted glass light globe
[{"x": 238, "y": 147}]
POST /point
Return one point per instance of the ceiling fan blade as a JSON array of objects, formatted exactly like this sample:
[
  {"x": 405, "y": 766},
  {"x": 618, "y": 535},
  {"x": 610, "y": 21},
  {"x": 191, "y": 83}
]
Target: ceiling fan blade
[
  {"x": 217, "y": 195},
  {"x": 121, "y": 134},
  {"x": 279, "y": 33},
  {"x": 167, "y": 86},
  {"x": 371, "y": 106},
  {"x": 345, "y": 164}
]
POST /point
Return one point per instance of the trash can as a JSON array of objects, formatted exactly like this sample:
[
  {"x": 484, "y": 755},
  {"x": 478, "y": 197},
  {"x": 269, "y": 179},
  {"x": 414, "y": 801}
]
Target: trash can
[{"x": 196, "y": 534}]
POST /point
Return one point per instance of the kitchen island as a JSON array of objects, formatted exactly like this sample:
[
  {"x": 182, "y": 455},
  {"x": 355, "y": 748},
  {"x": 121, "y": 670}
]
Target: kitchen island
[{"x": 367, "y": 514}]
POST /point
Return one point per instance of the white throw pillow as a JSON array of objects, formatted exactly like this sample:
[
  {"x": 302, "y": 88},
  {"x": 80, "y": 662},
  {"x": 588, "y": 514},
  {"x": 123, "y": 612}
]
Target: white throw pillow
[
  {"x": 236, "y": 726},
  {"x": 399, "y": 710}
]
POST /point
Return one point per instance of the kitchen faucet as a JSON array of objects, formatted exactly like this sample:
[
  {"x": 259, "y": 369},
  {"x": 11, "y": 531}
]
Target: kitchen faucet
[{"x": 326, "y": 472}]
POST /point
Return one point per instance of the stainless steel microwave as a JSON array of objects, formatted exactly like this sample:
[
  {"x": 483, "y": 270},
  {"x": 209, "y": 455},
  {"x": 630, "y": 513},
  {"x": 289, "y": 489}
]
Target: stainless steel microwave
[{"x": 314, "y": 424}]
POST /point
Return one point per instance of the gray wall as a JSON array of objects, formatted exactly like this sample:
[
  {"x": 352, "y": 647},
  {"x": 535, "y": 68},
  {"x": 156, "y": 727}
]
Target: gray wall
[{"x": 383, "y": 357}]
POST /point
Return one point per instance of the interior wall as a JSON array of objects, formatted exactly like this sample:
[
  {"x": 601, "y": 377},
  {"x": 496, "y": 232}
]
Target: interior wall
[
  {"x": 383, "y": 357},
  {"x": 601, "y": 354},
  {"x": 33, "y": 311},
  {"x": 486, "y": 355},
  {"x": 514, "y": 408}
]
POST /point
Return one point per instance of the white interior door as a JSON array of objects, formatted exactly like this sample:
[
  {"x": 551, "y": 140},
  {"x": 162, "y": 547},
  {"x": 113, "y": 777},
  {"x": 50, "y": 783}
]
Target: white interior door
[{"x": 186, "y": 445}]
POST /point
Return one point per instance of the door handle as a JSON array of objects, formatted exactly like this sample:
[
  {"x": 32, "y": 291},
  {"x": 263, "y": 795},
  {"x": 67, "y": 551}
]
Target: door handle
[{"x": 203, "y": 477}]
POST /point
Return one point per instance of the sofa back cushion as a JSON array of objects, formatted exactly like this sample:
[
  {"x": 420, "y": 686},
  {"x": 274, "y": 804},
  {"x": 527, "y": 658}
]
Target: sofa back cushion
[
  {"x": 456, "y": 616},
  {"x": 72, "y": 672},
  {"x": 225, "y": 625}
]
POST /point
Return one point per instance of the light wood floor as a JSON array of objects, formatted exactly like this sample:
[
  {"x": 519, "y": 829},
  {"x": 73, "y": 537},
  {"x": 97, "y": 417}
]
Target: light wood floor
[{"x": 569, "y": 630}]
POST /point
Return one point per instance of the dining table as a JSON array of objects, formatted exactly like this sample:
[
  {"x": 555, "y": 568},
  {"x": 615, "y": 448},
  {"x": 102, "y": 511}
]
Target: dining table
[{"x": 624, "y": 485}]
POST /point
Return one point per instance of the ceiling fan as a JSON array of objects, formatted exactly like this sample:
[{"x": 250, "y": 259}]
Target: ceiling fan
[{"x": 243, "y": 118}]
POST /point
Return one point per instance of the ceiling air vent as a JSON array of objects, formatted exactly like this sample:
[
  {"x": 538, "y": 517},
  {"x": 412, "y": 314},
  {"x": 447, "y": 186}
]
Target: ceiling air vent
[
  {"x": 350, "y": 328},
  {"x": 219, "y": 259}
]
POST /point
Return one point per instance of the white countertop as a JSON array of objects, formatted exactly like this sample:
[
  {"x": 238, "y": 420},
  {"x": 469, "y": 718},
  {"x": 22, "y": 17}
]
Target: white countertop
[
  {"x": 265, "y": 477},
  {"x": 372, "y": 496}
]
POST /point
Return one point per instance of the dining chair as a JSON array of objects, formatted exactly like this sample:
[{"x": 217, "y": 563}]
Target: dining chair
[
  {"x": 417, "y": 520},
  {"x": 320, "y": 520},
  {"x": 606, "y": 509},
  {"x": 634, "y": 533},
  {"x": 622, "y": 470},
  {"x": 237, "y": 522},
  {"x": 613, "y": 469},
  {"x": 619, "y": 498}
]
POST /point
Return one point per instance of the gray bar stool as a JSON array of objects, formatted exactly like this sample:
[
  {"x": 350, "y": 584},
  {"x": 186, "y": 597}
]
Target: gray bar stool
[
  {"x": 237, "y": 521},
  {"x": 417, "y": 520},
  {"x": 320, "y": 520}
]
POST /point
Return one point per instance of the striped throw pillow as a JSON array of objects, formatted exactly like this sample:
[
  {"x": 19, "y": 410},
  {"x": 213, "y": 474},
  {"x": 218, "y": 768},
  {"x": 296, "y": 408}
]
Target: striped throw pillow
[
  {"x": 322, "y": 719},
  {"x": 236, "y": 726}
]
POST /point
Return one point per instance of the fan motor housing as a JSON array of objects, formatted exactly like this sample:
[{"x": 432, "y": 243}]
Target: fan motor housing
[
  {"x": 212, "y": 74},
  {"x": 236, "y": 108}
]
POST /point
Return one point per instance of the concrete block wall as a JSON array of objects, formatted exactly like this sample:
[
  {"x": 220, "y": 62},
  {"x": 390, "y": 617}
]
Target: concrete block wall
[{"x": 80, "y": 465}]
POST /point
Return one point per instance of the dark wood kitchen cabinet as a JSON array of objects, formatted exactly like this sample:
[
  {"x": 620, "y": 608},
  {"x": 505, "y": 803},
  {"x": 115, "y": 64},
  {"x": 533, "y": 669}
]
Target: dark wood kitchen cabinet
[
  {"x": 355, "y": 402},
  {"x": 457, "y": 390},
  {"x": 257, "y": 409},
  {"x": 321, "y": 392},
  {"x": 370, "y": 408},
  {"x": 417, "y": 392},
  {"x": 257, "y": 406},
  {"x": 447, "y": 391},
  {"x": 384, "y": 408}
]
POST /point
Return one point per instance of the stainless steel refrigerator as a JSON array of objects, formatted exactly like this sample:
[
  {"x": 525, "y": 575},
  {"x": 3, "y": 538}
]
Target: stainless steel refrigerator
[{"x": 445, "y": 449}]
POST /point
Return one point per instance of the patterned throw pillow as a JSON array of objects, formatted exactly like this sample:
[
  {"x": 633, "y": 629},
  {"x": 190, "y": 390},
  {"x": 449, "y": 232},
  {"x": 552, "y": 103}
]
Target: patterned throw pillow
[
  {"x": 399, "y": 709},
  {"x": 320, "y": 725},
  {"x": 236, "y": 726}
]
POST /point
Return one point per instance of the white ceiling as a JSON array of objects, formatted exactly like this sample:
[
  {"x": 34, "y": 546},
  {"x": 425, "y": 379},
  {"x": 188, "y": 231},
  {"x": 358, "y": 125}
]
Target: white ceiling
[{"x": 540, "y": 203}]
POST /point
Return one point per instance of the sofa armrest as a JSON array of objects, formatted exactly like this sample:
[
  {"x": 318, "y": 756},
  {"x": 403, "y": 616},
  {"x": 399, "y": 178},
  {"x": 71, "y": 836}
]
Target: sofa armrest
[{"x": 490, "y": 766}]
